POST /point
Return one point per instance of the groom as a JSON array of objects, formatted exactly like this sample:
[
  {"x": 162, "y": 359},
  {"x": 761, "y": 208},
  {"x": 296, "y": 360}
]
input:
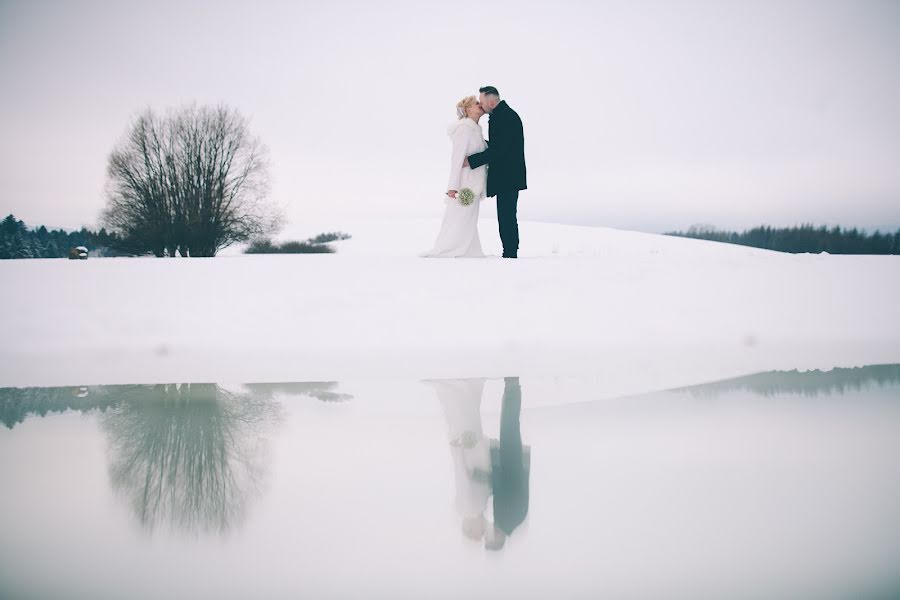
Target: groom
[{"x": 505, "y": 157}]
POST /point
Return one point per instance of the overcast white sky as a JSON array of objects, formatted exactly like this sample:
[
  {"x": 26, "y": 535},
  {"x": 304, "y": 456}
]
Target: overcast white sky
[{"x": 640, "y": 115}]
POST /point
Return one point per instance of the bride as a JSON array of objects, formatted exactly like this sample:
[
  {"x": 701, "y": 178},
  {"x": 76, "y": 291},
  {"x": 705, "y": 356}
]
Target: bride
[{"x": 458, "y": 236}]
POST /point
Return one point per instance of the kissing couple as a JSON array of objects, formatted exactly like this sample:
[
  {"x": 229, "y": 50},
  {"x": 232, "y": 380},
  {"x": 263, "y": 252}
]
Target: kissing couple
[{"x": 480, "y": 169}]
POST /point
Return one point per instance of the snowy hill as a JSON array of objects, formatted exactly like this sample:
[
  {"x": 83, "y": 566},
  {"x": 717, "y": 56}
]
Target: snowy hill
[{"x": 636, "y": 311}]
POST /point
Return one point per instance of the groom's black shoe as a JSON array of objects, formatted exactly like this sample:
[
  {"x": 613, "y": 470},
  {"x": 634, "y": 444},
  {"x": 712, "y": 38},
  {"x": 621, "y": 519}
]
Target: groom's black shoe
[{"x": 510, "y": 256}]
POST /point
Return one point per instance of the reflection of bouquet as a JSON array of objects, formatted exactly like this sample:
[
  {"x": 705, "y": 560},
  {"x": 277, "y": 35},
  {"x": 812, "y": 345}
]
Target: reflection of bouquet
[{"x": 466, "y": 196}]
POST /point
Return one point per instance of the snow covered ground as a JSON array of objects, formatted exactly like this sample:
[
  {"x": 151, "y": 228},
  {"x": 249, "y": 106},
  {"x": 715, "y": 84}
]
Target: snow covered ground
[{"x": 637, "y": 312}]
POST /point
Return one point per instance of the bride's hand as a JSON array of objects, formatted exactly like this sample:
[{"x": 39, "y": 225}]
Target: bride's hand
[{"x": 452, "y": 193}]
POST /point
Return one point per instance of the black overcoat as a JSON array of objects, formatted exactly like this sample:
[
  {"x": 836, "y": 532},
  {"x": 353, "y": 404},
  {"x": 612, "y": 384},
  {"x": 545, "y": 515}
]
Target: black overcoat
[{"x": 505, "y": 155}]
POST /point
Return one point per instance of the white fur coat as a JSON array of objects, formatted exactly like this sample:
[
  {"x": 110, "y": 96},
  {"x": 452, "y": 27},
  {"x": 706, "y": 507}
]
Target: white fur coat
[{"x": 468, "y": 138}]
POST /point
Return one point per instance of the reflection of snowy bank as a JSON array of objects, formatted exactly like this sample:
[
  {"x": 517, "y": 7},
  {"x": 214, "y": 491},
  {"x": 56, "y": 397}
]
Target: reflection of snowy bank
[
  {"x": 638, "y": 311},
  {"x": 655, "y": 496}
]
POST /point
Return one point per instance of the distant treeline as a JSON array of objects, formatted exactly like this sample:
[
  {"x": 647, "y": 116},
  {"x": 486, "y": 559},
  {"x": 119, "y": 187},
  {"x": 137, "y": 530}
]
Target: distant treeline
[
  {"x": 805, "y": 238},
  {"x": 18, "y": 241}
]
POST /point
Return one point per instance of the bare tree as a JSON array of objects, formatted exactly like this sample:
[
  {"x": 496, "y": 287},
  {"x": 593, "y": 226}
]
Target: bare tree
[{"x": 191, "y": 182}]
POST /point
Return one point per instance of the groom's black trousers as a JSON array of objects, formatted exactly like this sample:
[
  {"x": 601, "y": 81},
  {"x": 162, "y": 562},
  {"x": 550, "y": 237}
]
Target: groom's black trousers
[{"x": 507, "y": 206}]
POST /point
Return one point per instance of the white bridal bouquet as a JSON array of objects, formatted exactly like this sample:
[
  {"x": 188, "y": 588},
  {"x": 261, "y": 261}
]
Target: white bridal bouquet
[{"x": 466, "y": 196}]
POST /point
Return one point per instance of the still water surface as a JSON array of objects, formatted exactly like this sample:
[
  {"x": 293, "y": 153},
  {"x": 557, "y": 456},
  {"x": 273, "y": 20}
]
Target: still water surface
[{"x": 777, "y": 485}]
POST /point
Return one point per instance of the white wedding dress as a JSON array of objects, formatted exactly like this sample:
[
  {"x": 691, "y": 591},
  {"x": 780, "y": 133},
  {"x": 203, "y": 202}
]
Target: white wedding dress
[{"x": 458, "y": 237}]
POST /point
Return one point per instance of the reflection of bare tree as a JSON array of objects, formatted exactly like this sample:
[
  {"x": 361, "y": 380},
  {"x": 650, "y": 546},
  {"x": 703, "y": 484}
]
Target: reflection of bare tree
[
  {"x": 190, "y": 455},
  {"x": 17, "y": 404}
]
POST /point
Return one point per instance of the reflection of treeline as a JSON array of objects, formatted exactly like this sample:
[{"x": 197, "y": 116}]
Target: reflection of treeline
[
  {"x": 808, "y": 383},
  {"x": 17, "y": 404},
  {"x": 320, "y": 390},
  {"x": 18, "y": 241},
  {"x": 805, "y": 238}
]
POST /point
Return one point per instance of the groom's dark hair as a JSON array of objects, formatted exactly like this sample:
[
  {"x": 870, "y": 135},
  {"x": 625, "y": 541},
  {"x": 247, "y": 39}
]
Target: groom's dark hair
[{"x": 489, "y": 89}]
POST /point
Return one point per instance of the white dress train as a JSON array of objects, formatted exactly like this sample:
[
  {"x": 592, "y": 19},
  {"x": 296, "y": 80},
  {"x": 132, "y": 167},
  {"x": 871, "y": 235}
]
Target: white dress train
[{"x": 458, "y": 237}]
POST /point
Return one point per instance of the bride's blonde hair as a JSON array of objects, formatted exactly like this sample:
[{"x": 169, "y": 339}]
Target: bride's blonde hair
[{"x": 463, "y": 105}]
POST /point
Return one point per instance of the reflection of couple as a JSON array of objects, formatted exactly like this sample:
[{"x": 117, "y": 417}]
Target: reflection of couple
[{"x": 484, "y": 467}]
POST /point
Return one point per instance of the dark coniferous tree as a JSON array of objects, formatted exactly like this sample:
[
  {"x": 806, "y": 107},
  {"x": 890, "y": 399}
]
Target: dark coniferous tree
[
  {"x": 804, "y": 238},
  {"x": 17, "y": 241}
]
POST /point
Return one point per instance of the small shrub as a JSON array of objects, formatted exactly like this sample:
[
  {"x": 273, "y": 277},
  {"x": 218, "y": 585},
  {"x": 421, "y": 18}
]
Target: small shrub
[
  {"x": 304, "y": 248},
  {"x": 324, "y": 238},
  {"x": 263, "y": 246},
  {"x": 310, "y": 246}
]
